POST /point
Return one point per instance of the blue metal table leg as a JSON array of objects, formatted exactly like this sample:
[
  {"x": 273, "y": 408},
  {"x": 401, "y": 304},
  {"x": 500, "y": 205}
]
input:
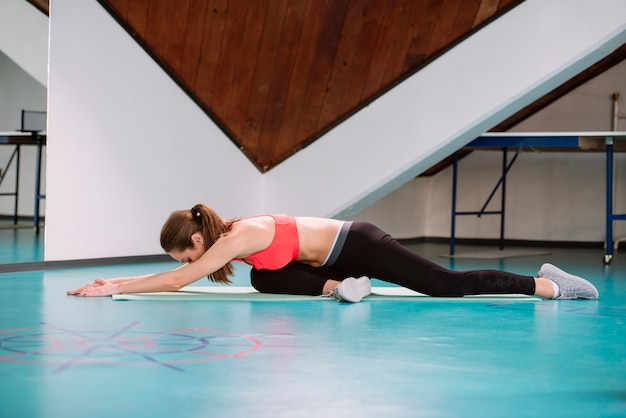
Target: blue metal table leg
[
  {"x": 502, "y": 208},
  {"x": 455, "y": 166},
  {"x": 38, "y": 195},
  {"x": 608, "y": 244},
  {"x": 17, "y": 184}
]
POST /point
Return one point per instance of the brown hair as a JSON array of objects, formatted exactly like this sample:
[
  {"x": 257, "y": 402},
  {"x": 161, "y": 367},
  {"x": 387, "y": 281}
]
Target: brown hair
[{"x": 182, "y": 224}]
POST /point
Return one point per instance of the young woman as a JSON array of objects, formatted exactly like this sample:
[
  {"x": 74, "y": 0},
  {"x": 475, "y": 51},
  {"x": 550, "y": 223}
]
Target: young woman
[{"x": 318, "y": 256}]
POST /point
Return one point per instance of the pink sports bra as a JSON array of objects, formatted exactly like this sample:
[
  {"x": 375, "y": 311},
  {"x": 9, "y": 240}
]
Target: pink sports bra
[{"x": 282, "y": 250}]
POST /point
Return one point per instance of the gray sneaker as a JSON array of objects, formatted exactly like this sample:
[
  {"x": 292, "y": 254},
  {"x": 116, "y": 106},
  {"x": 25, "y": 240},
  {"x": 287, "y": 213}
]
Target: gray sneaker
[
  {"x": 570, "y": 286},
  {"x": 352, "y": 290}
]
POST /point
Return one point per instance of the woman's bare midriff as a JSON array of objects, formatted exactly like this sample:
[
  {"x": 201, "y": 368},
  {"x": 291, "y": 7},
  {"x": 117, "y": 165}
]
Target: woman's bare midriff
[{"x": 316, "y": 238}]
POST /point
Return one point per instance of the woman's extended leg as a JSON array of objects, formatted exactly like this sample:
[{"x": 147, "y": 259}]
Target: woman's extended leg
[
  {"x": 369, "y": 251},
  {"x": 372, "y": 252}
]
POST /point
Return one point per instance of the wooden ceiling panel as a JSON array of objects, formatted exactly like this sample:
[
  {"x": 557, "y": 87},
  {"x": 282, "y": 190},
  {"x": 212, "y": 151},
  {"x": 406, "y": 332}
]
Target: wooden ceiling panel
[
  {"x": 276, "y": 75},
  {"x": 42, "y": 5}
]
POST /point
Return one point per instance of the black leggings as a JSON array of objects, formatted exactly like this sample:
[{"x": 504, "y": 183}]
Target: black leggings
[{"x": 369, "y": 251}]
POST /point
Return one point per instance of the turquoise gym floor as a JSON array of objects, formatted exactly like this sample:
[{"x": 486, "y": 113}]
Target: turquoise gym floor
[{"x": 64, "y": 356}]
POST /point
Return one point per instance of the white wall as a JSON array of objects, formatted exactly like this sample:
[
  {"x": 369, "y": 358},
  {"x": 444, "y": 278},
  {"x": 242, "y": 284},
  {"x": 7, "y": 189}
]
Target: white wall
[
  {"x": 18, "y": 90},
  {"x": 24, "y": 37},
  {"x": 127, "y": 146},
  {"x": 550, "y": 196}
]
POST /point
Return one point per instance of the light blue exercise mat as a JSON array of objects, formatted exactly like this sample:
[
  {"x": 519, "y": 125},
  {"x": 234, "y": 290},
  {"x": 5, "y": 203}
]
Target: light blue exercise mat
[{"x": 249, "y": 294}]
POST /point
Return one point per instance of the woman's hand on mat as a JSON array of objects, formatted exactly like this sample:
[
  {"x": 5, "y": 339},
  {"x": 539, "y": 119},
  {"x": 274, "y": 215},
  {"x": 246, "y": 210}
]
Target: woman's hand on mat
[{"x": 99, "y": 287}]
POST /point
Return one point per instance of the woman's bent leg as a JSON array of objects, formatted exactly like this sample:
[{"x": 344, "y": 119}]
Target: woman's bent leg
[{"x": 294, "y": 279}]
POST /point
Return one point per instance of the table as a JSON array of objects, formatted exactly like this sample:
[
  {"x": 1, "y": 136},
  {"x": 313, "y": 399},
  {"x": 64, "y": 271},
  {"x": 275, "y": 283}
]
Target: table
[
  {"x": 17, "y": 139},
  {"x": 550, "y": 141}
]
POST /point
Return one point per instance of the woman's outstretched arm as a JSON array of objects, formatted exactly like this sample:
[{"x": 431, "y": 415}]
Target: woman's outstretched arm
[
  {"x": 99, "y": 282},
  {"x": 239, "y": 242},
  {"x": 170, "y": 281}
]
